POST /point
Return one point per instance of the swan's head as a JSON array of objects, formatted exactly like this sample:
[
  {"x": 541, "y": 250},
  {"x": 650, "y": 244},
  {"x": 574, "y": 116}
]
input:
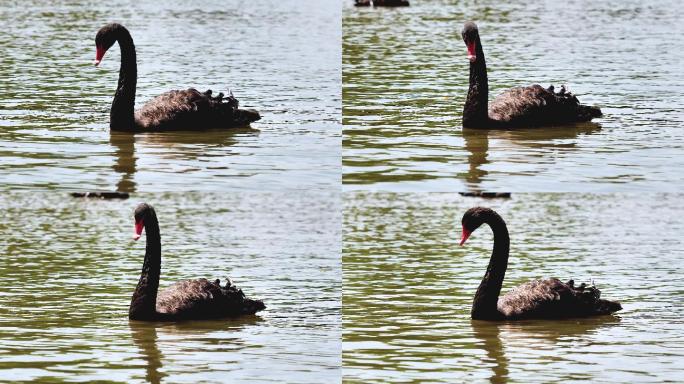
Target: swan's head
[
  {"x": 472, "y": 219},
  {"x": 105, "y": 38},
  {"x": 470, "y": 37},
  {"x": 142, "y": 212}
]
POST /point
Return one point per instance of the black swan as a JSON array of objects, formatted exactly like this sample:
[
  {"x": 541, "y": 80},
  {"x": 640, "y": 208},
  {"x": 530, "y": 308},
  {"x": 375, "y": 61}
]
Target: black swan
[
  {"x": 187, "y": 299},
  {"x": 381, "y": 3},
  {"x": 101, "y": 195},
  {"x": 174, "y": 110},
  {"x": 516, "y": 107},
  {"x": 487, "y": 195},
  {"x": 536, "y": 299}
]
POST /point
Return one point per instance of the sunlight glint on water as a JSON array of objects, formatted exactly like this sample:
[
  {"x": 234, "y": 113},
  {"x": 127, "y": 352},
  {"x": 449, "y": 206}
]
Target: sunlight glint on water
[
  {"x": 54, "y": 104},
  {"x": 405, "y": 76},
  {"x": 408, "y": 288},
  {"x": 69, "y": 267}
]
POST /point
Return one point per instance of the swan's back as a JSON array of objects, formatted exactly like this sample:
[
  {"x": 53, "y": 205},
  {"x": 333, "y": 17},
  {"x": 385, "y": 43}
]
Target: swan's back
[
  {"x": 201, "y": 299},
  {"x": 535, "y": 105},
  {"x": 190, "y": 109},
  {"x": 552, "y": 298}
]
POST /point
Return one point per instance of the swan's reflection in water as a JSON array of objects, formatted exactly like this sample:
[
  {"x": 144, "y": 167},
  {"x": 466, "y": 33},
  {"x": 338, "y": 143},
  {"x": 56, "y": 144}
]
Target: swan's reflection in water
[
  {"x": 124, "y": 151},
  {"x": 487, "y": 334},
  {"x": 145, "y": 338},
  {"x": 477, "y": 143},
  {"x": 495, "y": 337},
  {"x": 172, "y": 146},
  {"x": 208, "y": 335}
]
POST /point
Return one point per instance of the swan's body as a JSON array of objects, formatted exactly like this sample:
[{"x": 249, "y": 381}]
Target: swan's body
[
  {"x": 204, "y": 299},
  {"x": 549, "y": 298},
  {"x": 190, "y": 109},
  {"x": 174, "y": 110},
  {"x": 517, "y": 107},
  {"x": 187, "y": 299}
]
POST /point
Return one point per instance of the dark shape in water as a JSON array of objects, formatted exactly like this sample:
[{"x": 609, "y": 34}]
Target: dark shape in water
[
  {"x": 145, "y": 337},
  {"x": 186, "y": 299},
  {"x": 174, "y": 110},
  {"x": 549, "y": 298},
  {"x": 488, "y": 195},
  {"x": 100, "y": 195},
  {"x": 381, "y": 3},
  {"x": 517, "y": 107}
]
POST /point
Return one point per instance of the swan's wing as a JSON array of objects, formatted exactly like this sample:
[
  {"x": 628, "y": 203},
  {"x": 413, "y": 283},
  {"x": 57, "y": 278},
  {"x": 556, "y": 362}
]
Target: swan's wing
[
  {"x": 553, "y": 298},
  {"x": 171, "y": 107},
  {"x": 522, "y": 103},
  {"x": 190, "y": 109},
  {"x": 535, "y": 105},
  {"x": 202, "y": 298},
  {"x": 187, "y": 296}
]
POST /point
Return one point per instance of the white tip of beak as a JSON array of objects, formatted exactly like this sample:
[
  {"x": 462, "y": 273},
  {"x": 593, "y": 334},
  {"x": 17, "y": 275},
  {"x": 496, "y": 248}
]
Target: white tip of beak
[
  {"x": 136, "y": 236},
  {"x": 96, "y": 62}
]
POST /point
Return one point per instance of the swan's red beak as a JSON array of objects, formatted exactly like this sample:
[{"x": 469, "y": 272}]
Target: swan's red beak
[
  {"x": 139, "y": 225},
  {"x": 464, "y": 236},
  {"x": 99, "y": 55},
  {"x": 471, "y": 51}
]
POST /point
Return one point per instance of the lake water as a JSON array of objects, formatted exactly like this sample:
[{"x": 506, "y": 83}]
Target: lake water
[
  {"x": 405, "y": 76},
  {"x": 280, "y": 57},
  {"x": 69, "y": 267},
  {"x": 408, "y": 289}
]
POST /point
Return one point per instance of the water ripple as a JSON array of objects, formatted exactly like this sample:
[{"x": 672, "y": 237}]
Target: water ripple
[
  {"x": 405, "y": 81},
  {"x": 408, "y": 288},
  {"x": 281, "y": 58},
  {"x": 69, "y": 267}
]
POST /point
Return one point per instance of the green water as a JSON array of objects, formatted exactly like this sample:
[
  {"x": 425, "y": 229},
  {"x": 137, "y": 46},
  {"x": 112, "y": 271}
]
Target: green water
[
  {"x": 282, "y": 58},
  {"x": 367, "y": 284},
  {"x": 405, "y": 78},
  {"x": 408, "y": 288},
  {"x": 69, "y": 267}
]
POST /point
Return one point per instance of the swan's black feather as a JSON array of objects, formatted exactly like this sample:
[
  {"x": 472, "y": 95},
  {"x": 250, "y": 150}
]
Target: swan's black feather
[
  {"x": 203, "y": 299},
  {"x": 190, "y": 109},
  {"x": 552, "y": 298},
  {"x": 535, "y": 105}
]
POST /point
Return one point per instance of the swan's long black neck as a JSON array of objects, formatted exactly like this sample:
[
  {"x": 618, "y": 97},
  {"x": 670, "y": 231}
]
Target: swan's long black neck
[
  {"x": 122, "y": 113},
  {"x": 475, "y": 109},
  {"x": 487, "y": 295},
  {"x": 144, "y": 300}
]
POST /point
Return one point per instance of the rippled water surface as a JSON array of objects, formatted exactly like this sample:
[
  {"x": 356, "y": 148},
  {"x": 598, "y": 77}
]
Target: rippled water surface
[
  {"x": 408, "y": 288},
  {"x": 69, "y": 267},
  {"x": 280, "y": 57},
  {"x": 405, "y": 76}
]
